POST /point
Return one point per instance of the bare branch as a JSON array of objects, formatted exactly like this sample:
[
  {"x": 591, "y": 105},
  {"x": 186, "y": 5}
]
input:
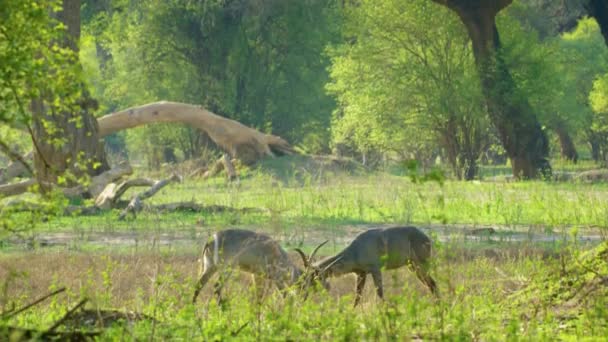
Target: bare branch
[{"x": 136, "y": 203}]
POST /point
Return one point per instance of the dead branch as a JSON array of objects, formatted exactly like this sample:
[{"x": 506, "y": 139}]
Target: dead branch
[
  {"x": 98, "y": 183},
  {"x": 216, "y": 168},
  {"x": 7, "y": 315},
  {"x": 66, "y": 316},
  {"x": 198, "y": 172},
  {"x": 112, "y": 193},
  {"x": 136, "y": 205},
  {"x": 240, "y": 141}
]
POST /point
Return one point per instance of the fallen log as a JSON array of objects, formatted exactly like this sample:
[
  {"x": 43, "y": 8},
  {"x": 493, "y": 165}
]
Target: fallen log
[
  {"x": 103, "y": 318},
  {"x": 95, "y": 187},
  {"x": 7, "y": 190},
  {"x": 197, "y": 208},
  {"x": 240, "y": 141}
]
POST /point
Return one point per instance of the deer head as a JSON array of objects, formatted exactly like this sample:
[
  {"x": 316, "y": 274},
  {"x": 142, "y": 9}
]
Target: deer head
[{"x": 313, "y": 274}]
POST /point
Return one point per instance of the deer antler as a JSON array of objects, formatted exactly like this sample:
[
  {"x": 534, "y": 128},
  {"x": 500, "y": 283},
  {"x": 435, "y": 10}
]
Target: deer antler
[
  {"x": 316, "y": 250},
  {"x": 308, "y": 260},
  {"x": 304, "y": 259}
]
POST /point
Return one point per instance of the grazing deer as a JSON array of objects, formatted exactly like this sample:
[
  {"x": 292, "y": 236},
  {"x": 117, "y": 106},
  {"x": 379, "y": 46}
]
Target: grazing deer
[
  {"x": 373, "y": 250},
  {"x": 249, "y": 251}
]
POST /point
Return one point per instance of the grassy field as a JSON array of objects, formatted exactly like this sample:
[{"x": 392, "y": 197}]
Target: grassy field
[{"x": 541, "y": 275}]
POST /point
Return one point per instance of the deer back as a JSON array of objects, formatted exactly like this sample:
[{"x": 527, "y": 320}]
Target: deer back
[
  {"x": 250, "y": 251},
  {"x": 389, "y": 248}
]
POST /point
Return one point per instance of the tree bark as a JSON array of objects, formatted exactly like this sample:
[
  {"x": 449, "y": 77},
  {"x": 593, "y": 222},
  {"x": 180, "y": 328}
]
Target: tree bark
[
  {"x": 70, "y": 143},
  {"x": 240, "y": 141},
  {"x": 595, "y": 144},
  {"x": 519, "y": 130},
  {"x": 567, "y": 148}
]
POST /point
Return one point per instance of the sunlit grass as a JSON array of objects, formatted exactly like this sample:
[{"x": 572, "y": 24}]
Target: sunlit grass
[{"x": 366, "y": 199}]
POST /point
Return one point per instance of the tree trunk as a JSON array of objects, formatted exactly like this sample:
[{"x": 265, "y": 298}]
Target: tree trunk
[
  {"x": 519, "y": 131},
  {"x": 470, "y": 167},
  {"x": 452, "y": 147},
  {"x": 70, "y": 143},
  {"x": 595, "y": 144},
  {"x": 568, "y": 150}
]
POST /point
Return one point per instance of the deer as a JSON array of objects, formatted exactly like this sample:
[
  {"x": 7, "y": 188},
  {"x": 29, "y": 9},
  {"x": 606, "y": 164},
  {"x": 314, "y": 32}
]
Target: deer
[
  {"x": 371, "y": 252},
  {"x": 251, "y": 252}
]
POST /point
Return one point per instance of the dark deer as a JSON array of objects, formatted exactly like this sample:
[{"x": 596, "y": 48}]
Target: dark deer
[{"x": 374, "y": 250}]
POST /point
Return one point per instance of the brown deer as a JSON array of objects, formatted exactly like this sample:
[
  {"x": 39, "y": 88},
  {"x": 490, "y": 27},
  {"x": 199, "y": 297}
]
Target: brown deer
[
  {"x": 374, "y": 250},
  {"x": 251, "y": 252}
]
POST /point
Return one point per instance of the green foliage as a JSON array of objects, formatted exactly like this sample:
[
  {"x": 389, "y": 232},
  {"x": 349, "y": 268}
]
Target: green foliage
[
  {"x": 260, "y": 63},
  {"x": 36, "y": 66},
  {"x": 406, "y": 79},
  {"x": 584, "y": 63},
  {"x": 599, "y": 95},
  {"x": 32, "y": 62}
]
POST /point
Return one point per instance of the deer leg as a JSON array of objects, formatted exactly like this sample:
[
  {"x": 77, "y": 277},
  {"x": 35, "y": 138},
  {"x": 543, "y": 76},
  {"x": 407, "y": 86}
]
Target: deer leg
[
  {"x": 217, "y": 288},
  {"x": 360, "y": 285},
  {"x": 282, "y": 288},
  {"x": 377, "y": 277},
  {"x": 260, "y": 288},
  {"x": 207, "y": 274}
]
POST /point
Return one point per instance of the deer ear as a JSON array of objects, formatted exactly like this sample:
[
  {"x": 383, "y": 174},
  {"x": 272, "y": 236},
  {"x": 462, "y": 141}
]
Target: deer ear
[{"x": 306, "y": 264}]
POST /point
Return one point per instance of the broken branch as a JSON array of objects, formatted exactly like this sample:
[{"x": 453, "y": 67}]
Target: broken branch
[{"x": 136, "y": 205}]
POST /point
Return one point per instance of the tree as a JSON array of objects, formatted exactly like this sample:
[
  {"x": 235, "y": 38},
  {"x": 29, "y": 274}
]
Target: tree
[
  {"x": 584, "y": 58},
  {"x": 518, "y": 128},
  {"x": 406, "y": 76},
  {"x": 64, "y": 130},
  {"x": 65, "y": 134},
  {"x": 552, "y": 18},
  {"x": 260, "y": 63},
  {"x": 537, "y": 66}
]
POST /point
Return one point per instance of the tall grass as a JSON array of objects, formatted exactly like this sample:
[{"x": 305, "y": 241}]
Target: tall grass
[
  {"x": 368, "y": 199},
  {"x": 480, "y": 300}
]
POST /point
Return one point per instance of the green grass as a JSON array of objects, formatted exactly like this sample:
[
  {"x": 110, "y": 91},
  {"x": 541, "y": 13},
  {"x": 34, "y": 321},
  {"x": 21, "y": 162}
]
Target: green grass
[
  {"x": 481, "y": 299},
  {"x": 365, "y": 200},
  {"x": 490, "y": 290}
]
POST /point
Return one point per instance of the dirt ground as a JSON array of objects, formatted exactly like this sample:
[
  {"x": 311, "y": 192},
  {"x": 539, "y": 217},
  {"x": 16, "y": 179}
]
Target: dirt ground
[{"x": 130, "y": 280}]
